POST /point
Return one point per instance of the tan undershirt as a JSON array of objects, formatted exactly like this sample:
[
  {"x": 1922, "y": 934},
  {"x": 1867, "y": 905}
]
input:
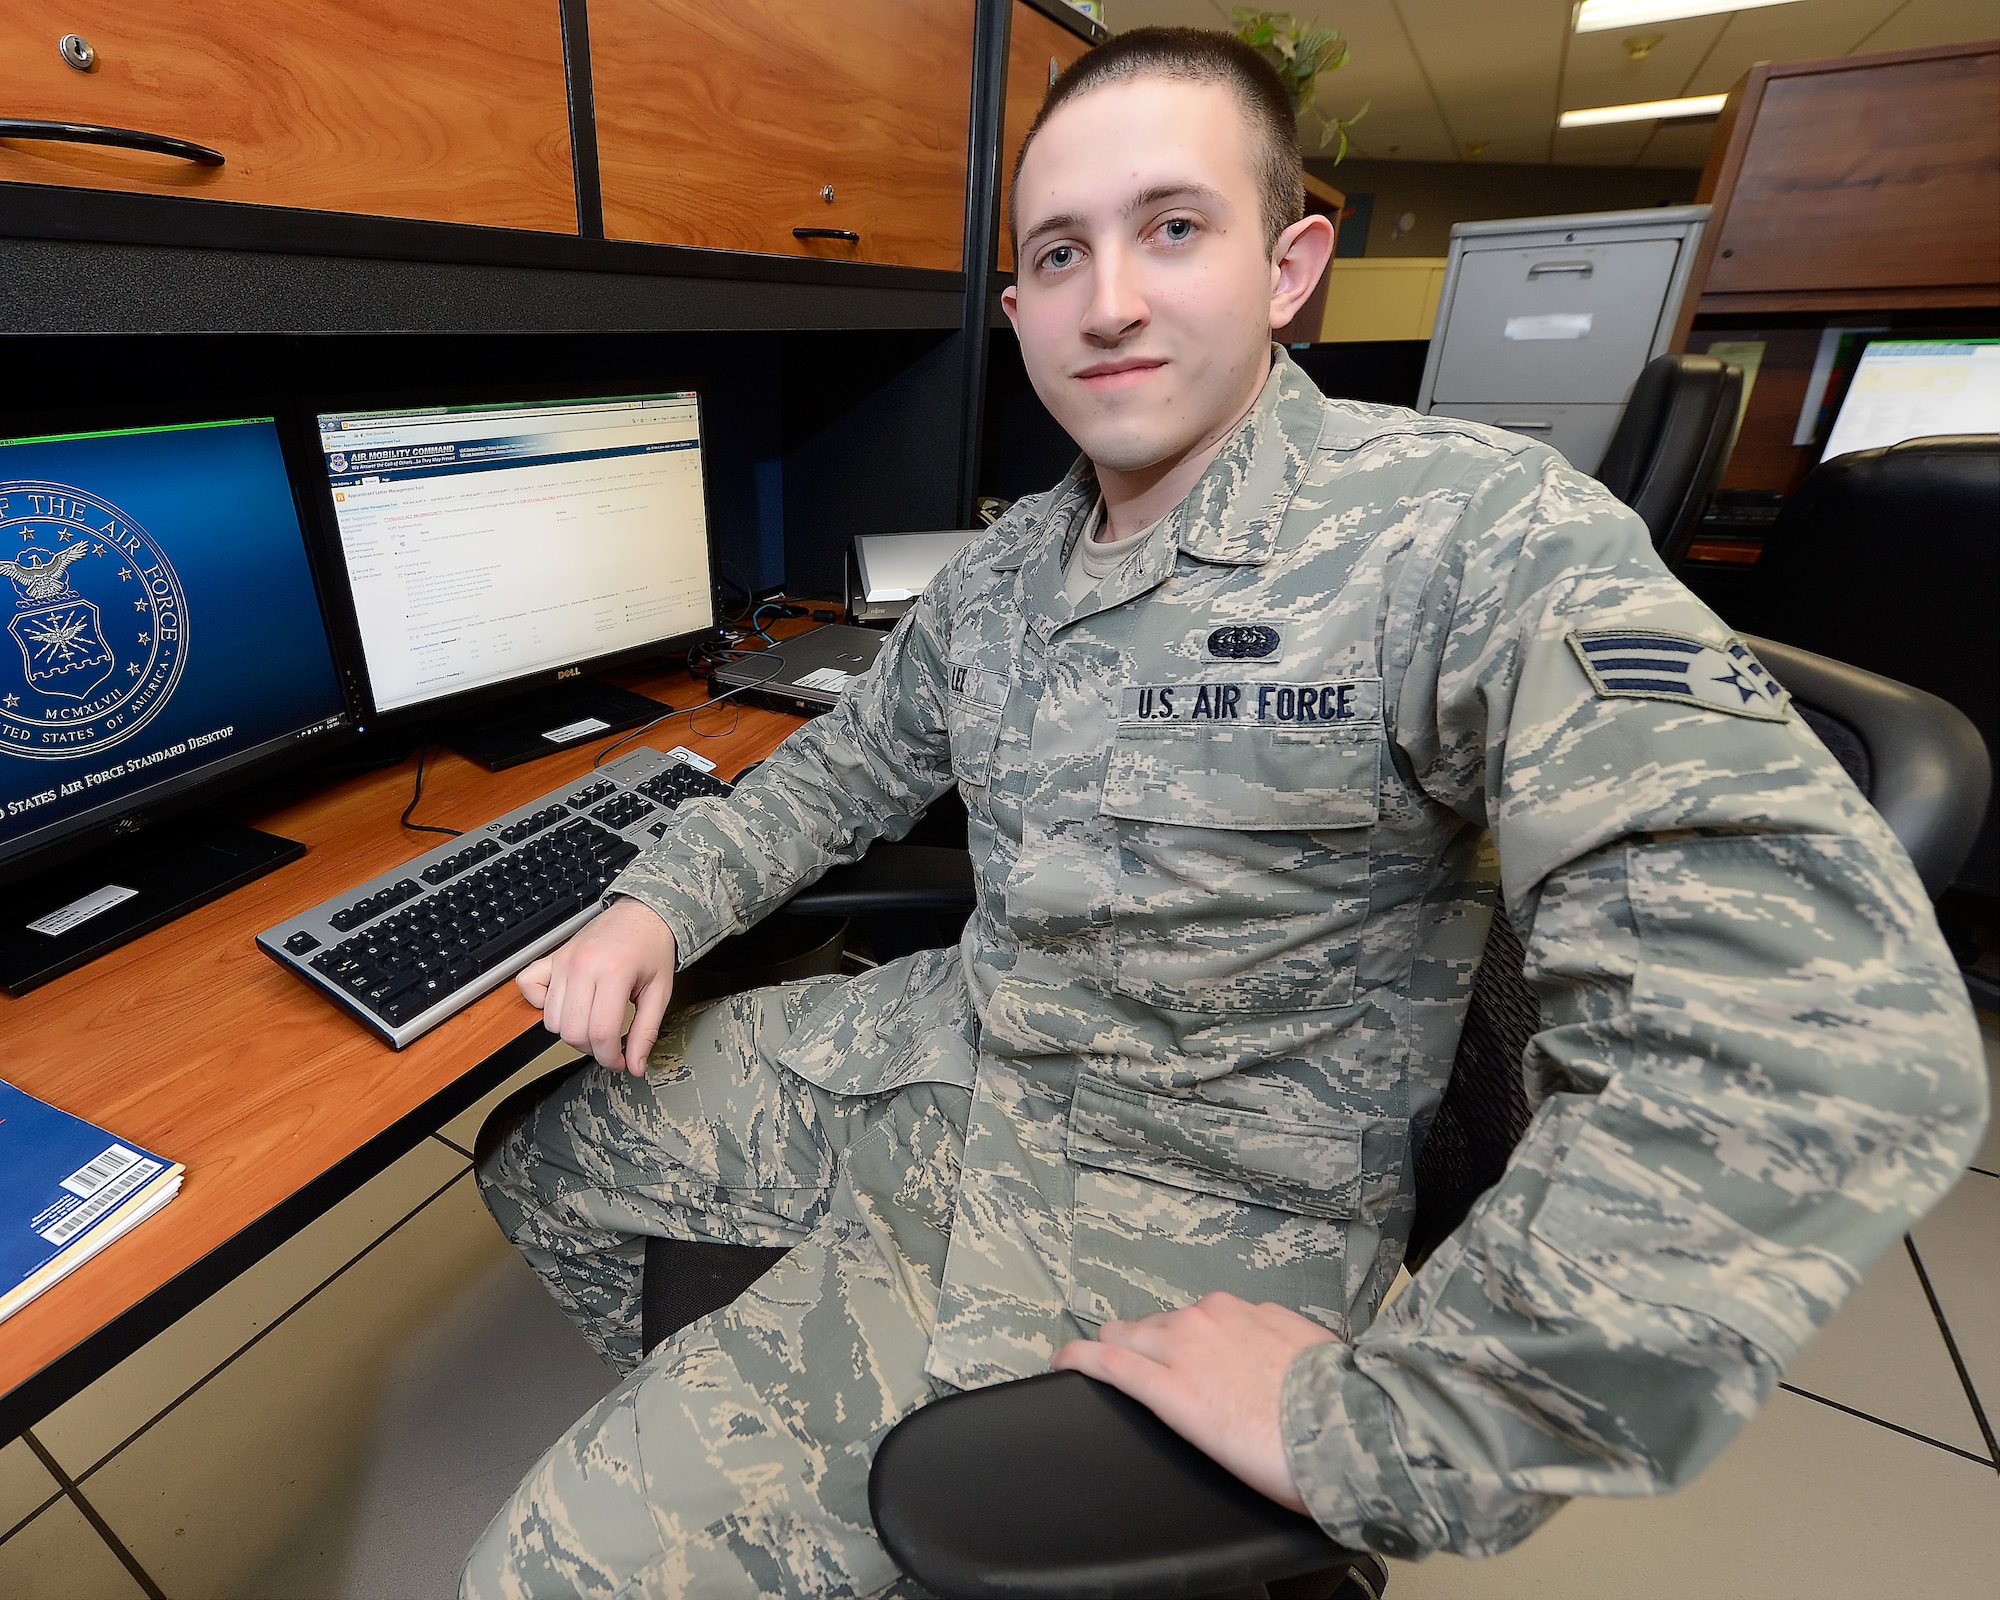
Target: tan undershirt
[{"x": 1094, "y": 559}]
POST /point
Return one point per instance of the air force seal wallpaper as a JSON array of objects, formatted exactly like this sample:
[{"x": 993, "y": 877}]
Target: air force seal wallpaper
[
  {"x": 99, "y": 623},
  {"x": 160, "y": 616}
]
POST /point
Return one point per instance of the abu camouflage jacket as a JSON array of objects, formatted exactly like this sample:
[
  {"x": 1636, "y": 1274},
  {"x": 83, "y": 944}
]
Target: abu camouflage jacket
[{"x": 1230, "y": 812}]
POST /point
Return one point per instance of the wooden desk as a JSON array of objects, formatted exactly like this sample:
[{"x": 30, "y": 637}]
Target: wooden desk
[{"x": 192, "y": 1042}]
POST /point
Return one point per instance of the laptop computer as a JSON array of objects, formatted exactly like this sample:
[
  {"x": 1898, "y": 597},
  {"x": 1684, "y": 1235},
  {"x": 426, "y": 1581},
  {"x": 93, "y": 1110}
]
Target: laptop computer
[{"x": 804, "y": 674}]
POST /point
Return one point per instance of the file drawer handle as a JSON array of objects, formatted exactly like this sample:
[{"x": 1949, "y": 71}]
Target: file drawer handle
[
  {"x": 1551, "y": 269},
  {"x": 159, "y": 144},
  {"x": 827, "y": 233},
  {"x": 1522, "y": 425}
]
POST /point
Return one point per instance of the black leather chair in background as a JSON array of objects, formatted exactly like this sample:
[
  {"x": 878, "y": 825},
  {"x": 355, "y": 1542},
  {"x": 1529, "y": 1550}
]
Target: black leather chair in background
[
  {"x": 1058, "y": 1486},
  {"x": 1670, "y": 447},
  {"x": 1890, "y": 559}
]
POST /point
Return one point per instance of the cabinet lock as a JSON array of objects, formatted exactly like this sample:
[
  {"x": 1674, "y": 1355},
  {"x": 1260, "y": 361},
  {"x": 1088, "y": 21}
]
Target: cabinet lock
[{"x": 77, "y": 51}]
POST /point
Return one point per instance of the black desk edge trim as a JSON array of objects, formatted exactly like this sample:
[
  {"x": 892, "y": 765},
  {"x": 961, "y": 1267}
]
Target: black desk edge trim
[
  {"x": 52, "y": 212},
  {"x": 70, "y": 1373}
]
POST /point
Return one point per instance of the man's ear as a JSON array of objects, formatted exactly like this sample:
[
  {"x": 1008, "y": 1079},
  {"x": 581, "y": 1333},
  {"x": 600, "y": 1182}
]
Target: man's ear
[
  {"x": 1010, "y": 302},
  {"x": 1301, "y": 255}
]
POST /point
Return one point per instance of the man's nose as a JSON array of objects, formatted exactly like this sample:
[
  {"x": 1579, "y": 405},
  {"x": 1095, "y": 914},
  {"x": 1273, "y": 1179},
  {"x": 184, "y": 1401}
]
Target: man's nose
[{"x": 1117, "y": 302}]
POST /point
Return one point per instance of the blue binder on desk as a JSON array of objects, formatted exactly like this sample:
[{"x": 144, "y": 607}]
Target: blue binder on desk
[{"x": 67, "y": 1189}]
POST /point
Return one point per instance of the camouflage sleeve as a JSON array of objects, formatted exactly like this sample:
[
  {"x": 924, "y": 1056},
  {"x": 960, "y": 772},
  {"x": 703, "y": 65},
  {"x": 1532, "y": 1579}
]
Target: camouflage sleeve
[
  {"x": 862, "y": 771},
  {"x": 1758, "y": 1067}
]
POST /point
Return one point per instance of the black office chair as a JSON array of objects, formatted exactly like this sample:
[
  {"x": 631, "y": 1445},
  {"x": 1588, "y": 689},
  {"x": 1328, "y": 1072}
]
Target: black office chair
[
  {"x": 1670, "y": 447},
  {"x": 1059, "y": 1486},
  {"x": 1890, "y": 559}
]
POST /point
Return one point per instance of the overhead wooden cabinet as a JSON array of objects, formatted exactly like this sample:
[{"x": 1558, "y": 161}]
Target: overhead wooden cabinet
[
  {"x": 446, "y": 113},
  {"x": 1039, "y": 49},
  {"x": 1855, "y": 183},
  {"x": 790, "y": 127}
]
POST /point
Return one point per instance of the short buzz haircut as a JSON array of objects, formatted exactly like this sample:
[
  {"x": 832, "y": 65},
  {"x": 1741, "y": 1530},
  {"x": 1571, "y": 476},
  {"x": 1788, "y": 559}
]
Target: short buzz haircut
[{"x": 1196, "y": 55}]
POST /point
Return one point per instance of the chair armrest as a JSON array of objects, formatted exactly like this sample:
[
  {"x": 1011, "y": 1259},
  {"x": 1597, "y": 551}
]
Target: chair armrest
[
  {"x": 1059, "y": 1485},
  {"x": 892, "y": 877}
]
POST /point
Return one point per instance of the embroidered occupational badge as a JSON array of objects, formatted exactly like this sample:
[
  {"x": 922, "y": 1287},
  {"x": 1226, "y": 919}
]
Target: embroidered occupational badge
[
  {"x": 1244, "y": 641},
  {"x": 1647, "y": 665}
]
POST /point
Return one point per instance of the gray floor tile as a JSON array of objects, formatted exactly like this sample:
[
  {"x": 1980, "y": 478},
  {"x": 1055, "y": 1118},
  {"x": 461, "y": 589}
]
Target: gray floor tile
[
  {"x": 82, "y": 1432},
  {"x": 59, "y": 1556},
  {"x": 464, "y": 1128},
  {"x": 1807, "y": 1504},
  {"x": 1960, "y": 1246},
  {"x": 25, "y": 1484},
  {"x": 1917, "y": 1386},
  {"x": 364, "y": 1443}
]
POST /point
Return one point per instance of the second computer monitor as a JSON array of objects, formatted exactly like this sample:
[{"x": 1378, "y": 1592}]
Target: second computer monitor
[{"x": 505, "y": 544}]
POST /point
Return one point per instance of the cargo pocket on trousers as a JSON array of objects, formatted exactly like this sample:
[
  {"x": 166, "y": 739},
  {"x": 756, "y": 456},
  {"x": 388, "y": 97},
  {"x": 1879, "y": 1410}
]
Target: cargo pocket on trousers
[{"x": 1177, "y": 1198}]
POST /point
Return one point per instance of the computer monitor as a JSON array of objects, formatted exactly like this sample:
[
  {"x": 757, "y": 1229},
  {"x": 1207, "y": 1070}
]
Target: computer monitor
[
  {"x": 164, "y": 636},
  {"x": 498, "y": 546},
  {"x": 1914, "y": 388}
]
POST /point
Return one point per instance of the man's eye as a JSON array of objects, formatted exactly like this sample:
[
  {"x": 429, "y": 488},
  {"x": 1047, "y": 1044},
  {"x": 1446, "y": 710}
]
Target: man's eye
[
  {"x": 1178, "y": 229},
  {"x": 1059, "y": 257}
]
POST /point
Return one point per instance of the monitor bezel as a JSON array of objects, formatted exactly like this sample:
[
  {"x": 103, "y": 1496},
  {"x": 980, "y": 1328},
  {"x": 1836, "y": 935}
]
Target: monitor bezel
[
  {"x": 420, "y": 713},
  {"x": 129, "y": 815}
]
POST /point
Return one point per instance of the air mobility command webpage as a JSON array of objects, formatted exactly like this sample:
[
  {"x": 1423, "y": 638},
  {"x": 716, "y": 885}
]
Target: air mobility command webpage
[
  {"x": 159, "y": 613},
  {"x": 486, "y": 543}
]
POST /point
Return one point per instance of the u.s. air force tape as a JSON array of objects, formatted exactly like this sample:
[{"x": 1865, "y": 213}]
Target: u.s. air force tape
[
  {"x": 1293, "y": 705},
  {"x": 1645, "y": 664}
]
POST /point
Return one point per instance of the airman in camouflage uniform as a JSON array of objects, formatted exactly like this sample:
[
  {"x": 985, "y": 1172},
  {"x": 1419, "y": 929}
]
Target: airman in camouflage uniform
[{"x": 1229, "y": 811}]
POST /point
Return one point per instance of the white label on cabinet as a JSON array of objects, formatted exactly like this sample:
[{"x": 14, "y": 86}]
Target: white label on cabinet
[{"x": 1550, "y": 325}]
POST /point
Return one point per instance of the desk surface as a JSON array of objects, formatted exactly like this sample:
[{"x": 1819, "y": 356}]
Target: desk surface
[{"x": 191, "y": 1042}]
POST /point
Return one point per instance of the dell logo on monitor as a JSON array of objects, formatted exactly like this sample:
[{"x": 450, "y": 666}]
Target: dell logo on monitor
[{"x": 568, "y": 672}]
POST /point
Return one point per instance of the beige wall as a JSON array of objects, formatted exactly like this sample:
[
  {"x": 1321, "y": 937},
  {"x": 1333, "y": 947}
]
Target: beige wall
[{"x": 1444, "y": 192}]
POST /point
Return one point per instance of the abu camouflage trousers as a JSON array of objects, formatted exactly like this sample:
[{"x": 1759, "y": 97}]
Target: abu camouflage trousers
[{"x": 734, "y": 1460}]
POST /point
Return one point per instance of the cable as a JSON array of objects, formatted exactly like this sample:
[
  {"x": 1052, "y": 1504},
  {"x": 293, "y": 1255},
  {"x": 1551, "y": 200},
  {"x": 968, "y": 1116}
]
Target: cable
[
  {"x": 423, "y": 827},
  {"x": 688, "y": 711}
]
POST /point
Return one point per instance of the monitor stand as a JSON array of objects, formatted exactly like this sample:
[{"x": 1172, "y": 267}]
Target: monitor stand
[
  {"x": 75, "y": 912},
  {"x": 547, "y": 720}
]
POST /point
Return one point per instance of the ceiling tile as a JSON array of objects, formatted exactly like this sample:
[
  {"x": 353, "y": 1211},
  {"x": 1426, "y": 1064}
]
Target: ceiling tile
[
  {"x": 1924, "y": 22},
  {"x": 1613, "y": 144},
  {"x": 1495, "y": 69},
  {"x": 1601, "y": 72},
  {"x": 1786, "y": 33}
]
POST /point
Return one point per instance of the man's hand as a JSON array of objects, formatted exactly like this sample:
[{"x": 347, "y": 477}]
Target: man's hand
[
  {"x": 625, "y": 953},
  {"x": 1214, "y": 1372}
]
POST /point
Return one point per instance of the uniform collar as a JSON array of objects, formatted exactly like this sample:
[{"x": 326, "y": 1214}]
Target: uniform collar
[{"x": 1234, "y": 512}]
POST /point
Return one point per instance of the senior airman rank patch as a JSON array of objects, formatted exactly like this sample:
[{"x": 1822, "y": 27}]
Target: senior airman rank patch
[{"x": 1649, "y": 665}]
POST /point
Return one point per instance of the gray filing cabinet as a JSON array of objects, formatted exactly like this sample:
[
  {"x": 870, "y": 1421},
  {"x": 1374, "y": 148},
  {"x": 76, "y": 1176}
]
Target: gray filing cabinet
[{"x": 1544, "y": 323}]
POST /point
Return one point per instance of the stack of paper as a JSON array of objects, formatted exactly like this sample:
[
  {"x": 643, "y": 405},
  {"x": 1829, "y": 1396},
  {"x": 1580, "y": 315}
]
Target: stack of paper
[{"x": 67, "y": 1189}]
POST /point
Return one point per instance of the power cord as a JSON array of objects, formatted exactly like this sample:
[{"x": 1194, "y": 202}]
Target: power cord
[{"x": 418, "y": 794}]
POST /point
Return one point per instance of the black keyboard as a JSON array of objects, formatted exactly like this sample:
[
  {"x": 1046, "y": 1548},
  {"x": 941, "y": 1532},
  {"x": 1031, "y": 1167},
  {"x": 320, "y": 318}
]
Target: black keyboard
[{"x": 407, "y": 949}]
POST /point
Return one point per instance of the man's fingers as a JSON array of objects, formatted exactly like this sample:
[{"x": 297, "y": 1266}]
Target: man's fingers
[
  {"x": 648, "y": 1009},
  {"x": 605, "y": 1027},
  {"x": 533, "y": 980},
  {"x": 1143, "y": 1379}
]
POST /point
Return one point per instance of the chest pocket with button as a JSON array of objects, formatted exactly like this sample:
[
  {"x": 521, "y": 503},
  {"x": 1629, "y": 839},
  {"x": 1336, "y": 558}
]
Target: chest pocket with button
[
  {"x": 1243, "y": 862},
  {"x": 977, "y": 692}
]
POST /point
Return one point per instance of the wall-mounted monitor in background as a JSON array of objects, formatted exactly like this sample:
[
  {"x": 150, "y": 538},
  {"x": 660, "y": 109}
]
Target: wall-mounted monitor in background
[
  {"x": 1917, "y": 388},
  {"x": 496, "y": 552},
  {"x": 164, "y": 638}
]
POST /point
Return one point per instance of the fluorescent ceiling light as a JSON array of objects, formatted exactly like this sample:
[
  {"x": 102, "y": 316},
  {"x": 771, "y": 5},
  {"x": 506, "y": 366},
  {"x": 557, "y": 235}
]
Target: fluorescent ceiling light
[
  {"x": 1695, "y": 105},
  {"x": 1595, "y": 16}
]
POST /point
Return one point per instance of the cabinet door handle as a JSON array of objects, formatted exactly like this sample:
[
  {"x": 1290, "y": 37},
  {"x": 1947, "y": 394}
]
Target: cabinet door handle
[
  {"x": 1549, "y": 269},
  {"x": 1523, "y": 425},
  {"x": 160, "y": 144},
  {"x": 827, "y": 233}
]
